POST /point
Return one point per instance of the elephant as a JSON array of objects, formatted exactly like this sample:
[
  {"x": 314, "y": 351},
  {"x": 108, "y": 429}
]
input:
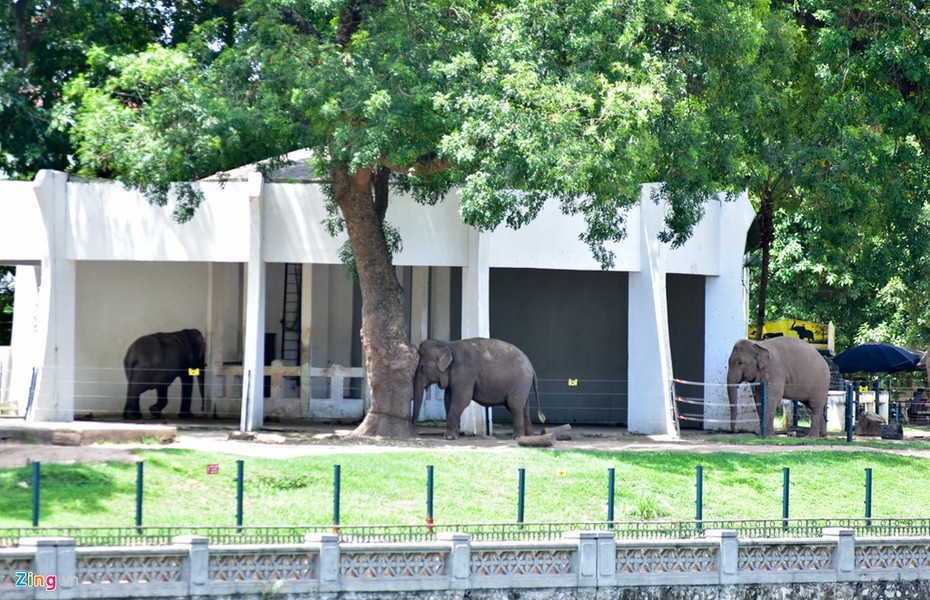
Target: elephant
[
  {"x": 490, "y": 372},
  {"x": 792, "y": 368},
  {"x": 154, "y": 361}
]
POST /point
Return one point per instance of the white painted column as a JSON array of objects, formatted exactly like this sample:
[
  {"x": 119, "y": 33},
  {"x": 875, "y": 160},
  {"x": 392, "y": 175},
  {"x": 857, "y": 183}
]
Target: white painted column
[
  {"x": 650, "y": 357},
  {"x": 726, "y": 311},
  {"x": 475, "y": 314},
  {"x": 252, "y": 411},
  {"x": 419, "y": 304},
  {"x": 306, "y": 332},
  {"x": 54, "y": 390},
  {"x": 440, "y": 323}
]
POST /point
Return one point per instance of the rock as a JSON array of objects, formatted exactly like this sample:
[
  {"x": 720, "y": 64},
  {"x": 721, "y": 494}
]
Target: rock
[
  {"x": 270, "y": 438},
  {"x": 893, "y": 431},
  {"x": 241, "y": 436},
  {"x": 869, "y": 424}
]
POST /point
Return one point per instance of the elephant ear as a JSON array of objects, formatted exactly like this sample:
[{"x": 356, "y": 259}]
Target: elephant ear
[
  {"x": 443, "y": 361},
  {"x": 763, "y": 362}
]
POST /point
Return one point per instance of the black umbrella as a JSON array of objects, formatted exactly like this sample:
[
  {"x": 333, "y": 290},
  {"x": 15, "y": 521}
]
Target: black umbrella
[{"x": 875, "y": 357}]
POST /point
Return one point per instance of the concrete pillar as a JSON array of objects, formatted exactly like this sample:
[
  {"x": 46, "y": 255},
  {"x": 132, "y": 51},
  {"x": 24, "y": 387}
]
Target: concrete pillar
[
  {"x": 25, "y": 352},
  {"x": 54, "y": 389},
  {"x": 54, "y": 556},
  {"x": 459, "y": 558},
  {"x": 650, "y": 356},
  {"x": 585, "y": 559},
  {"x": 419, "y": 305},
  {"x": 252, "y": 412},
  {"x": 196, "y": 566},
  {"x": 306, "y": 332},
  {"x": 844, "y": 556},
  {"x": 726, "y": 312},
  {"x": 328, "y": 561},
  {"x": 727, "y": 555},
  {"x": 475, "y": 315},
  {"x": 440, "y": 320}
]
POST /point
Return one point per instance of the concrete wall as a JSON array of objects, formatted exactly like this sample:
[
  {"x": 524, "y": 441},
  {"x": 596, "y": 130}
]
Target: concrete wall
[{"x": 581, "y": 565}]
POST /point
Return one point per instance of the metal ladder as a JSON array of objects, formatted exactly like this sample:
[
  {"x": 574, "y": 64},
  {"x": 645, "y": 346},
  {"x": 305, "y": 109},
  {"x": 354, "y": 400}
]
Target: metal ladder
[{"x": 290, "y": 320}]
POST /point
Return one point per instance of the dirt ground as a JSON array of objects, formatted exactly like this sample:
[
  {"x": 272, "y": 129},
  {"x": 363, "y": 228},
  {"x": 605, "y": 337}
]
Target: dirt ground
[{"x": 284, "y": 442}]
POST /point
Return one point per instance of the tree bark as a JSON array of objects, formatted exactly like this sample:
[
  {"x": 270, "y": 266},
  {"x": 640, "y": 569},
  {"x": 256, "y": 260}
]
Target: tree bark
[
  {"x": 766, "y": 235},
  {"x": 390, "y": 359}
]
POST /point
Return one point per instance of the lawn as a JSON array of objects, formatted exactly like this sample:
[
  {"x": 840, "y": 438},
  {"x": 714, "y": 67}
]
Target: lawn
[{"x": 471, "y": 486}]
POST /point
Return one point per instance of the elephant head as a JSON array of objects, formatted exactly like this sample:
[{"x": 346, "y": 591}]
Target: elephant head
[
  {"x": 433, "y": 367},
  {"x": 749, "y": 362}
]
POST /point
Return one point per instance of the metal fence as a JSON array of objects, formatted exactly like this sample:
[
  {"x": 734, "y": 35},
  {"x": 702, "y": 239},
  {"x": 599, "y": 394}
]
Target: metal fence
[{"x": 630, "y": 530}]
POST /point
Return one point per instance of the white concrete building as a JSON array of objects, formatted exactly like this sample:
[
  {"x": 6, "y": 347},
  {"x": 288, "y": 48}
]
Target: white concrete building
[{"x": 255, "y": 271}]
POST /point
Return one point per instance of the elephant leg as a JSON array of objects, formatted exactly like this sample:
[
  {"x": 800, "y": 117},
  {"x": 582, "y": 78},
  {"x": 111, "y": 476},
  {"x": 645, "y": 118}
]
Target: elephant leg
[
  {"x": 818, "y": 426},
  {"x": 187, "y": 390},
  {"x": 131, "y": 410},
  {"x": 159, "y": 406},
  {"x": 456, "y": 403},
  {"x": 776, "y": 392}
]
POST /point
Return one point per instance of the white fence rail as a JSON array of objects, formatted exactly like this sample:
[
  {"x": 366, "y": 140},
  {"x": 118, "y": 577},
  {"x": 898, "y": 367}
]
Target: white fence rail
[{"x": 57, "y": 568}]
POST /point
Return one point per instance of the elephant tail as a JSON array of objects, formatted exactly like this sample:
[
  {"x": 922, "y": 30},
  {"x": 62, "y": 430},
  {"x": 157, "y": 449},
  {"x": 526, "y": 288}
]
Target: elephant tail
[{"x": 539, "y": 412}]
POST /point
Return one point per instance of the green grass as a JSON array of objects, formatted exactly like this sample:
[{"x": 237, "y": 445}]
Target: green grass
[{"x": 470, "y": 486}]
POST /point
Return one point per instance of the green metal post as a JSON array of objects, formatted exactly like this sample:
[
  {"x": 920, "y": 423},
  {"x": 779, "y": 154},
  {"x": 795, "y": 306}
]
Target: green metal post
[
  {"x": 429, "y": 498},
  {"x": 139, "y": 478},
  {"x": 610, "y": 497},
  {"x": 521, "y": 494},
  {"x": 786, "y": 480},
  {"x": 337, "y": 476},
  {"x": 868, "y": 497},
  {"x": 850, "y": 408},
  {"x": 36, "y": 477},
  {"x": 240, "y": 483},
  {"x": 699, "y": 484}
]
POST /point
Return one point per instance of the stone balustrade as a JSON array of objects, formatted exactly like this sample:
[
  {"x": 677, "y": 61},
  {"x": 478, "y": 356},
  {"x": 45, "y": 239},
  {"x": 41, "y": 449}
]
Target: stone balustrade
[{"x": 571, "y": 567}]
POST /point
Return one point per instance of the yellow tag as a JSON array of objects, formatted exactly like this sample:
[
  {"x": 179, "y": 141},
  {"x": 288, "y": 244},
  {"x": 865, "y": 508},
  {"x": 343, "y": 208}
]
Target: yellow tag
[
  {"x": 193, "y": 372},
  {"x": 572, "y": 383}
]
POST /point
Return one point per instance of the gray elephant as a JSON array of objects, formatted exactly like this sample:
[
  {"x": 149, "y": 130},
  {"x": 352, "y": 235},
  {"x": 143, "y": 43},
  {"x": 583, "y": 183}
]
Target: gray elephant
[
  {"x": 154, "y": 361},
  {"x": 792, "y": 368},
  {"x": 490, "y": 372}
]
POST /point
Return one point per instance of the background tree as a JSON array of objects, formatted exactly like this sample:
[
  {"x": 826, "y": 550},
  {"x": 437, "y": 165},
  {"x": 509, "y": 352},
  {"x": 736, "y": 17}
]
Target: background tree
[
  {"x": 43, "y": 43},
  {"x": 512, "y": 102},
  {"x": 851, "y": 248}
]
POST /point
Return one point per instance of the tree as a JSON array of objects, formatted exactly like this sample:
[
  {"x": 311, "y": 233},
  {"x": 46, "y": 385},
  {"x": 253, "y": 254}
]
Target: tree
[
  {"x": 513, "y": 102},
  {"x": 847, "y": 246},
  {"x": 43, "y": 43},
  {"x": 6, "y": 305}
]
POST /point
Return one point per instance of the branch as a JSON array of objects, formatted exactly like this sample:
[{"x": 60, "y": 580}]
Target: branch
[
  {"x": 424, "y": 166},
  {"x": 292, "y": 17}
]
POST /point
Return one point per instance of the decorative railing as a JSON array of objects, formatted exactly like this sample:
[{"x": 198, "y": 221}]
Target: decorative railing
[
  {"x": 191, "y": 566},
  {"x": 489, "y": 532}
]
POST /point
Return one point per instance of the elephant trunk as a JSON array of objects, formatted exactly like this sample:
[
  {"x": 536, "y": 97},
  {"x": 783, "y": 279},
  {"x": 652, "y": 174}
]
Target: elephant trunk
[
  {"x": 420, "y": 383},
  {"x": 733, "y": 382}
]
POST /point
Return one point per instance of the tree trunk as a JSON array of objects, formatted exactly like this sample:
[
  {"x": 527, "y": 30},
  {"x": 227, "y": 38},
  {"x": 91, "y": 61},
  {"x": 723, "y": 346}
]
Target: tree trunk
[
  {"x": 766, "y": 235},
  {"x": 390, "y": 360}
]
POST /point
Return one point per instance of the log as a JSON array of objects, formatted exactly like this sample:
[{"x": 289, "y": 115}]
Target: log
[
  {"x": 536, "y": 441},
  {"x": 561, "y": 432}
]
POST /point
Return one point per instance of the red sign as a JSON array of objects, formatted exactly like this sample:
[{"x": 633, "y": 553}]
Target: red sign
[{"x": 213, "y": 469}]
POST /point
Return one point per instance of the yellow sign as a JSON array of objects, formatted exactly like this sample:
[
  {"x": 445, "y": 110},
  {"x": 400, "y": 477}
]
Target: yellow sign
[
  {"x": 818, "y": 335},
  {"x": 572, "y": 383},
  {"x": 193, "y": 372}
]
